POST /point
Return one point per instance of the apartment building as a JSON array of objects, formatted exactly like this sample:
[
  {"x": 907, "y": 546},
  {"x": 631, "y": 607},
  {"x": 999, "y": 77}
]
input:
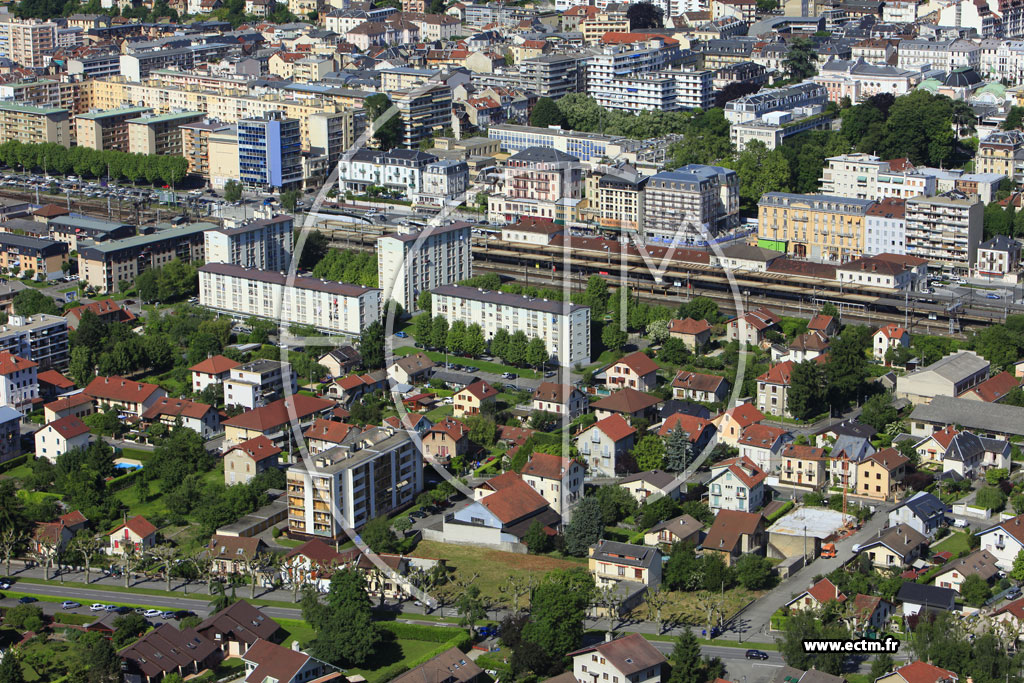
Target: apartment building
[
  {"x": 269, "y": 152},
  {"x": 594, "y": 28},
  {"x": 328, "y": 132},
  {"x": 195, "y": 145},
  {"x": 411, "y": 263},
  {"x": 564, "y": 327},
  {"x": 445, "y": 181},
  {"x": 553, "y": 76},
  {"x": 107, "y": 129},
  {"x": 640, "y": 92},
  {"x": 332, "y": 307},
  {"x": 264, "y": 244},
  {"x": 228, "y": 104},
  {"x": 620, "y": 201},
  {"x": 535, "y": 182},
  {"x": 750, "y": 107},
  {"x": 885, "y": 231},
  {"x": 30, "y": 124},
  {"x": 1001, "y": 152},
  {"x": 584, "y": 146},
  {"x": 222, "y": 153},
  {"x": 258, "y": 383},
  {"x": 98, "y": 65},
  {"x": 399, "y": 169},
  {"x": 997, "y": 257},
  {"x": 694, "y": 88},
  {"x": 816, "y": 227},
  {"x": 866, "y": 176},
  {"x": 622, "y": 76},
  {"x": 425, "y": 112},
  {"x": 27, "y": 42},
  {"x": 944, "y": 55},
  {"x": 75, "y": 229},
  {"x": 41, "y": 338},
  {"x": 693, "y": 202},
  {"x": 946, "y": 230},
  {"x": 102, "y": 265},
  {"x": 859, "y": 79},
  {"x": 159, "y": 134},
  {"x": 775, "y": 127},
  {"x": 19, "y": 386},
  {"x": 370, "y": 474},
  {"x": 21, "y": 254}
]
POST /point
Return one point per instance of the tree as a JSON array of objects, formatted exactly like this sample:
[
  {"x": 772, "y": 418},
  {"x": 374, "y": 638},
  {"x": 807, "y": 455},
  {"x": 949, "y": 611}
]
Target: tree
[
  {"x": 847, "y": 366},
  {"x": 371, "y": 346},
  {"x": 10, "y": 667},
  {"x": 25, "y": 618},
  {"x": 385, "y": 121},
  {"x": 11, "y": 539},
  {"x": 878, "y": 412},
  {"x": 1014, "y": 118},
  {"x": 799, "y": 62},
  {"x": 754, "y": 572},
  {"x": 346, "y": 634},
  {"x": 596, "y": 295},
  {"x": 377, "y": 534},
  {"x": 456, "y": 337},
  {"x": 585, "y": 528},
  {"x": 990, "y": 498},
  {"x": 613, "y": 337},
  {"x": 128, "y": 627},
  {"x": 806, "y": 393},
  {"x": 536, "y": 539},
  {"x": 678, "y": 450},
  {"x": 87, "y": 546},
  {"x": 423, "y": 301},
  {"x": 649, "y": 454},
  {"x": 232, "y": 191},
  {"x": 31, "y": 301},
  {"x": 644, "y": 15},
  {"x": 975, "y": 590},
  {"x": 682, "y": 571},
  {"x": 474, "y": 344},
  {"x": 439, "y": 332},
  {"x": 164, "y": 555},
  {"x": 767, "y": 6},
  {"x": 881, "y": 665},
  {"x": 290, "y": 199},
  {"x": 674, "y": 351},
  {"x": 616, "y": 503},
  {"x": 314, "y": 249},
  {"x": 470, "y": 608},
  {"x": 557, "y": 610},
  {"x": 546, "y": 113},
  {"x": 421, "y": 328},
  {"x": 536, "y": 353},
  {"x": 499, "y": 343},
  {"x": 687, "y": 664}
]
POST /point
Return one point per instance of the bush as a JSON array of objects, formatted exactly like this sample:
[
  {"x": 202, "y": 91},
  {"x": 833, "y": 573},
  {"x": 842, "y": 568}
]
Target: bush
[
  {"x": 275, "y": 532},
  {"x": 787, "y": 506},
  {"x": 941, "y": 532}
]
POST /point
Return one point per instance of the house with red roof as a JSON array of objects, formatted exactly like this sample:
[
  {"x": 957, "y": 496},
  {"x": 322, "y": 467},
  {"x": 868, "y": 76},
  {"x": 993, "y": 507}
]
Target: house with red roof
[
  {"x": 700, "y": 387},
  {"x": 350, "y": 387},
  {"x": 636, "y": 371},
  {"x": 135, "y": 531},
  {"x": 502, "y": 518},
  {"x": 324, "y": 434},
  {"x": 244, "y": 461},
  {"x": 19, "y": 382},
  {"x": 124, "y": 395},
  {"x": 604, "y": 443},
  {"x": 919, "y": 672},
  {"x": 1004, "y": 540},
  {"x": 107, "y": 310},
  {"x": 274, "y": 420},
  {"x": 736, "y": 484},
  {"x": 1012, "y": 614},
  {"x": 763, "y": 445},
  {"x": 880, "y": 475},
  {"x": 213, "y": 370},
  {"x": 735, "y": 533},
  {"x": 473, "y": 399},
  {"x": 752, "y": 327},
  {"x": 699, "y": 432},
  {"x": 630, "y": 658},
  {"x": 79, "y": 405},
  {"x": 60, "y": 436},
  {"x": 931, "y": 448},
  {"x": 694, "y": 333},
  {"x": 446, "y": 439},
  {"x": 629, "y": 403},
  {"x": 52, "y": 384},
  {"x": 994, "y": 389},
  {"x": 869, "y": 612},
  {"x": 887, "y": 337},
  {"x": 201, "y": 418},
  {"x": 817, "y": 595},
  {"x": 731, "y": 423},
  {"x": 267, "y": 661},
  {"x": 803, "y": 467},
  {"x": 49, "y": 537},
  {"x": 558, "y": 479},
  {"x": 825, "y": 325},
  {"x": 773, "y": 388}
]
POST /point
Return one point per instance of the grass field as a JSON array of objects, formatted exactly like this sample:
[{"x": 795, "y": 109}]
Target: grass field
[
  {"x": 954, "y": 543},
  {"x": 155, "y": 505},
  {"x": 493, "y": 566},
  {"x": 684, "y": 607}
]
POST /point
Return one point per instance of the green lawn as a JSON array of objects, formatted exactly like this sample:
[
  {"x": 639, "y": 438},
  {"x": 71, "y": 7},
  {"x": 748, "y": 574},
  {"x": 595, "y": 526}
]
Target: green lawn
[
  {"x": 440, "y": 412},
  {"x": 954, "y": 543},
  {"x": 155, "y": 505},
  {"x": 485, "y": 366}
]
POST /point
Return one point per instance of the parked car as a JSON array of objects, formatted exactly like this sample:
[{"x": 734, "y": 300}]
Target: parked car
[
  {"x": 401, "y": 335},
  {"x": 1013, "y": 593},
  {"x": 550, "y": 373},
  {"x": 4, "y": 585},
  {"x": 26, "y": 599},
  {"x": 990, "y": 295},
  {"x": 97, "y": 607},
  {"x": 756, "y": 654},
  {"x": 167, "y": 615},
  {"x": 960, "y": 523},
  {"x": 508, "y": 375},
  {"x": 152, "y": 613},
  {"x": 70, "y": 604},
  {"x": 470, "y": 368}
]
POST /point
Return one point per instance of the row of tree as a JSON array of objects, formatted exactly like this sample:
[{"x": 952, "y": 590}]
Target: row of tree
[{"x": 91, "y": 163}]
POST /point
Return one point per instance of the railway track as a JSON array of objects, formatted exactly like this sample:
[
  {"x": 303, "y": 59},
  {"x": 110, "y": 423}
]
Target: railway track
[{"x": 123, "y": 211}]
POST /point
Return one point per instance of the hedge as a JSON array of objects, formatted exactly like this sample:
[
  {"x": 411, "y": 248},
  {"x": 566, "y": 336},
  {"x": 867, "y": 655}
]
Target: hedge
[
  {"x": 462, "y": 641},
  {"x": 786, "y": 507},
  {"x": 124, "y": 481},
  {"x": 15, "y": 462},
  {"x": 430, "y": 634}
]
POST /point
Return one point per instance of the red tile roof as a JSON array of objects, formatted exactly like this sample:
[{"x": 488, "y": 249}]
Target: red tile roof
[
  {"x": 317, "y": 552},
  {"x": 259, "y": 448},
  {"x": 175, "y": 407},
  {"x": 119, "y": 389},
  {"x": 54, "y": 378},
  {"x": 921, "y": 672},
  {"x": 891, "y": 331},
  {"x": 514, "y": 502},
  {"x": 745, "y": 415},
  {"x": 138, "y": 525},
  {"x": 452, "y": 427},
  {"x": 865, "y": 605},
  {"x": 69, "y": 427},
  {"x": 889, "y": 458},
  {"x": 67, "y": 402},
  {"x": 744, "y": 469},
  {"x": 629, "y": 654},
  {"x": 825, "y": 590},
  {"x": 481, "y": 390},
  {"x": 820, "y": 322},
  {"x": 329, "y": 430},
  {"x": 944, "y": 436},
  {"x": 73, "y": 518},
  {"x": 553, "y": 392},
  {"x": 623, "y": 37},
  {"x": 995, "y": 387},
  {"x": 626, "y": 401},
  {"x": 728, "y": 526},
  {"x": 693, "y": 426},
  {"x": 695, "y": 381},
  {"x": 778, "y": 374},
  {"x": 103, "y": 308},
  {"x": 9, "y": 363},
  {"x": 215, "y": 365},
  {"x": 279, "y": 412},
  {"x": 274, "y": 662},
  {"x": 615, "y": 427},
  {"x": 760, "y": 435},
  {"x": 688, "y": 326},
  {"x": 639, "y": 362},
  {"x": 547, "y": 466},
  {"x": 801, "y": 452}
]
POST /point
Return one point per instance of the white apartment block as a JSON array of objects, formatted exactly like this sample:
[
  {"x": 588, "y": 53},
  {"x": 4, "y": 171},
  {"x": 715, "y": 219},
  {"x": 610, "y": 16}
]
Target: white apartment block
[
  {"x": 865, "y": 176},
  {"x": 1002, "y": 60},
  {"x": 410, "y": 263},
  {"x": 750, "y": 107},
  {"x": 331, "y": 307},
  {"x": 42, "y": 338},
  {"x": 633, "y": 59},
  {"x": 257, "y": 383},
  {"x": 564, "y": 327},
  {"x": 264, "y": 244},
  {"x": 26, "y": 42},
  {"x": 640, "y": 92},
  {"x": 399, "y": 169},
  {"x": 945, "y": 55},
  {"x": 945, "y": 230},
  {"x": 774, "y": 127},
  {"x": 694, "y": 88},
  {"x": 370, "y": 474},
  {"x": 693, "y": 202},
  {"x": 445, "y": 182},
  {"x": 885, "y": 228}
]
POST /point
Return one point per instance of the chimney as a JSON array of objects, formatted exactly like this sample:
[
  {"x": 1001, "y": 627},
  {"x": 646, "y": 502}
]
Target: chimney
[
  {"x": 295, "y": 646},
  {"x": 609, "y": 636}
]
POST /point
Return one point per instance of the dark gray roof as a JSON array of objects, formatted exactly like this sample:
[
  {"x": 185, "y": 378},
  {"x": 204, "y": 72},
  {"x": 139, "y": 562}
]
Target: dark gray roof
[
  {"x": 506, "y": 299},
  {"x": 851, "y": 428},
  {"x": 974, "y": 415},
  {"x": 672, "y": 407},
  {"x": 312, "y": 283},
  {"x": 924, "y": 505},
  {"x": 653, "y": 477},
  {"x": 256, "y": 225},
  {"x": 543, "y": 155},
  {"x": 1000, "y": 243},
  {"x": 923, "y": 594},
  {"x": 626, "y": 553}
]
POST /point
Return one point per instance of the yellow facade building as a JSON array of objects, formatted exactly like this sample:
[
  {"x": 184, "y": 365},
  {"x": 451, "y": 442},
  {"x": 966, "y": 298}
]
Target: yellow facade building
[{"x": 818, "y": 227}]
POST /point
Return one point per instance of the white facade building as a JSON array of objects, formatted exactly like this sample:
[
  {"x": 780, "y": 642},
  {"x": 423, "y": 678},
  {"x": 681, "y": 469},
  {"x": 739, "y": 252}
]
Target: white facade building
[
  {"x": 264, "y": 244},
  {"x": 885, "y": 228},
  {"x": 18, "y": 383},
  {"x": 408, "y": 264},
  {"x": 564, "y": 327},
  {"x": 331, "y": 307},
  {"x": 945, "y": 230},
  {"x": 865, "y": 176},
  {"x": 252, "y": 384},
  {"x": 945, "y": 55},
  {"x": 444, "y": 182}
]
